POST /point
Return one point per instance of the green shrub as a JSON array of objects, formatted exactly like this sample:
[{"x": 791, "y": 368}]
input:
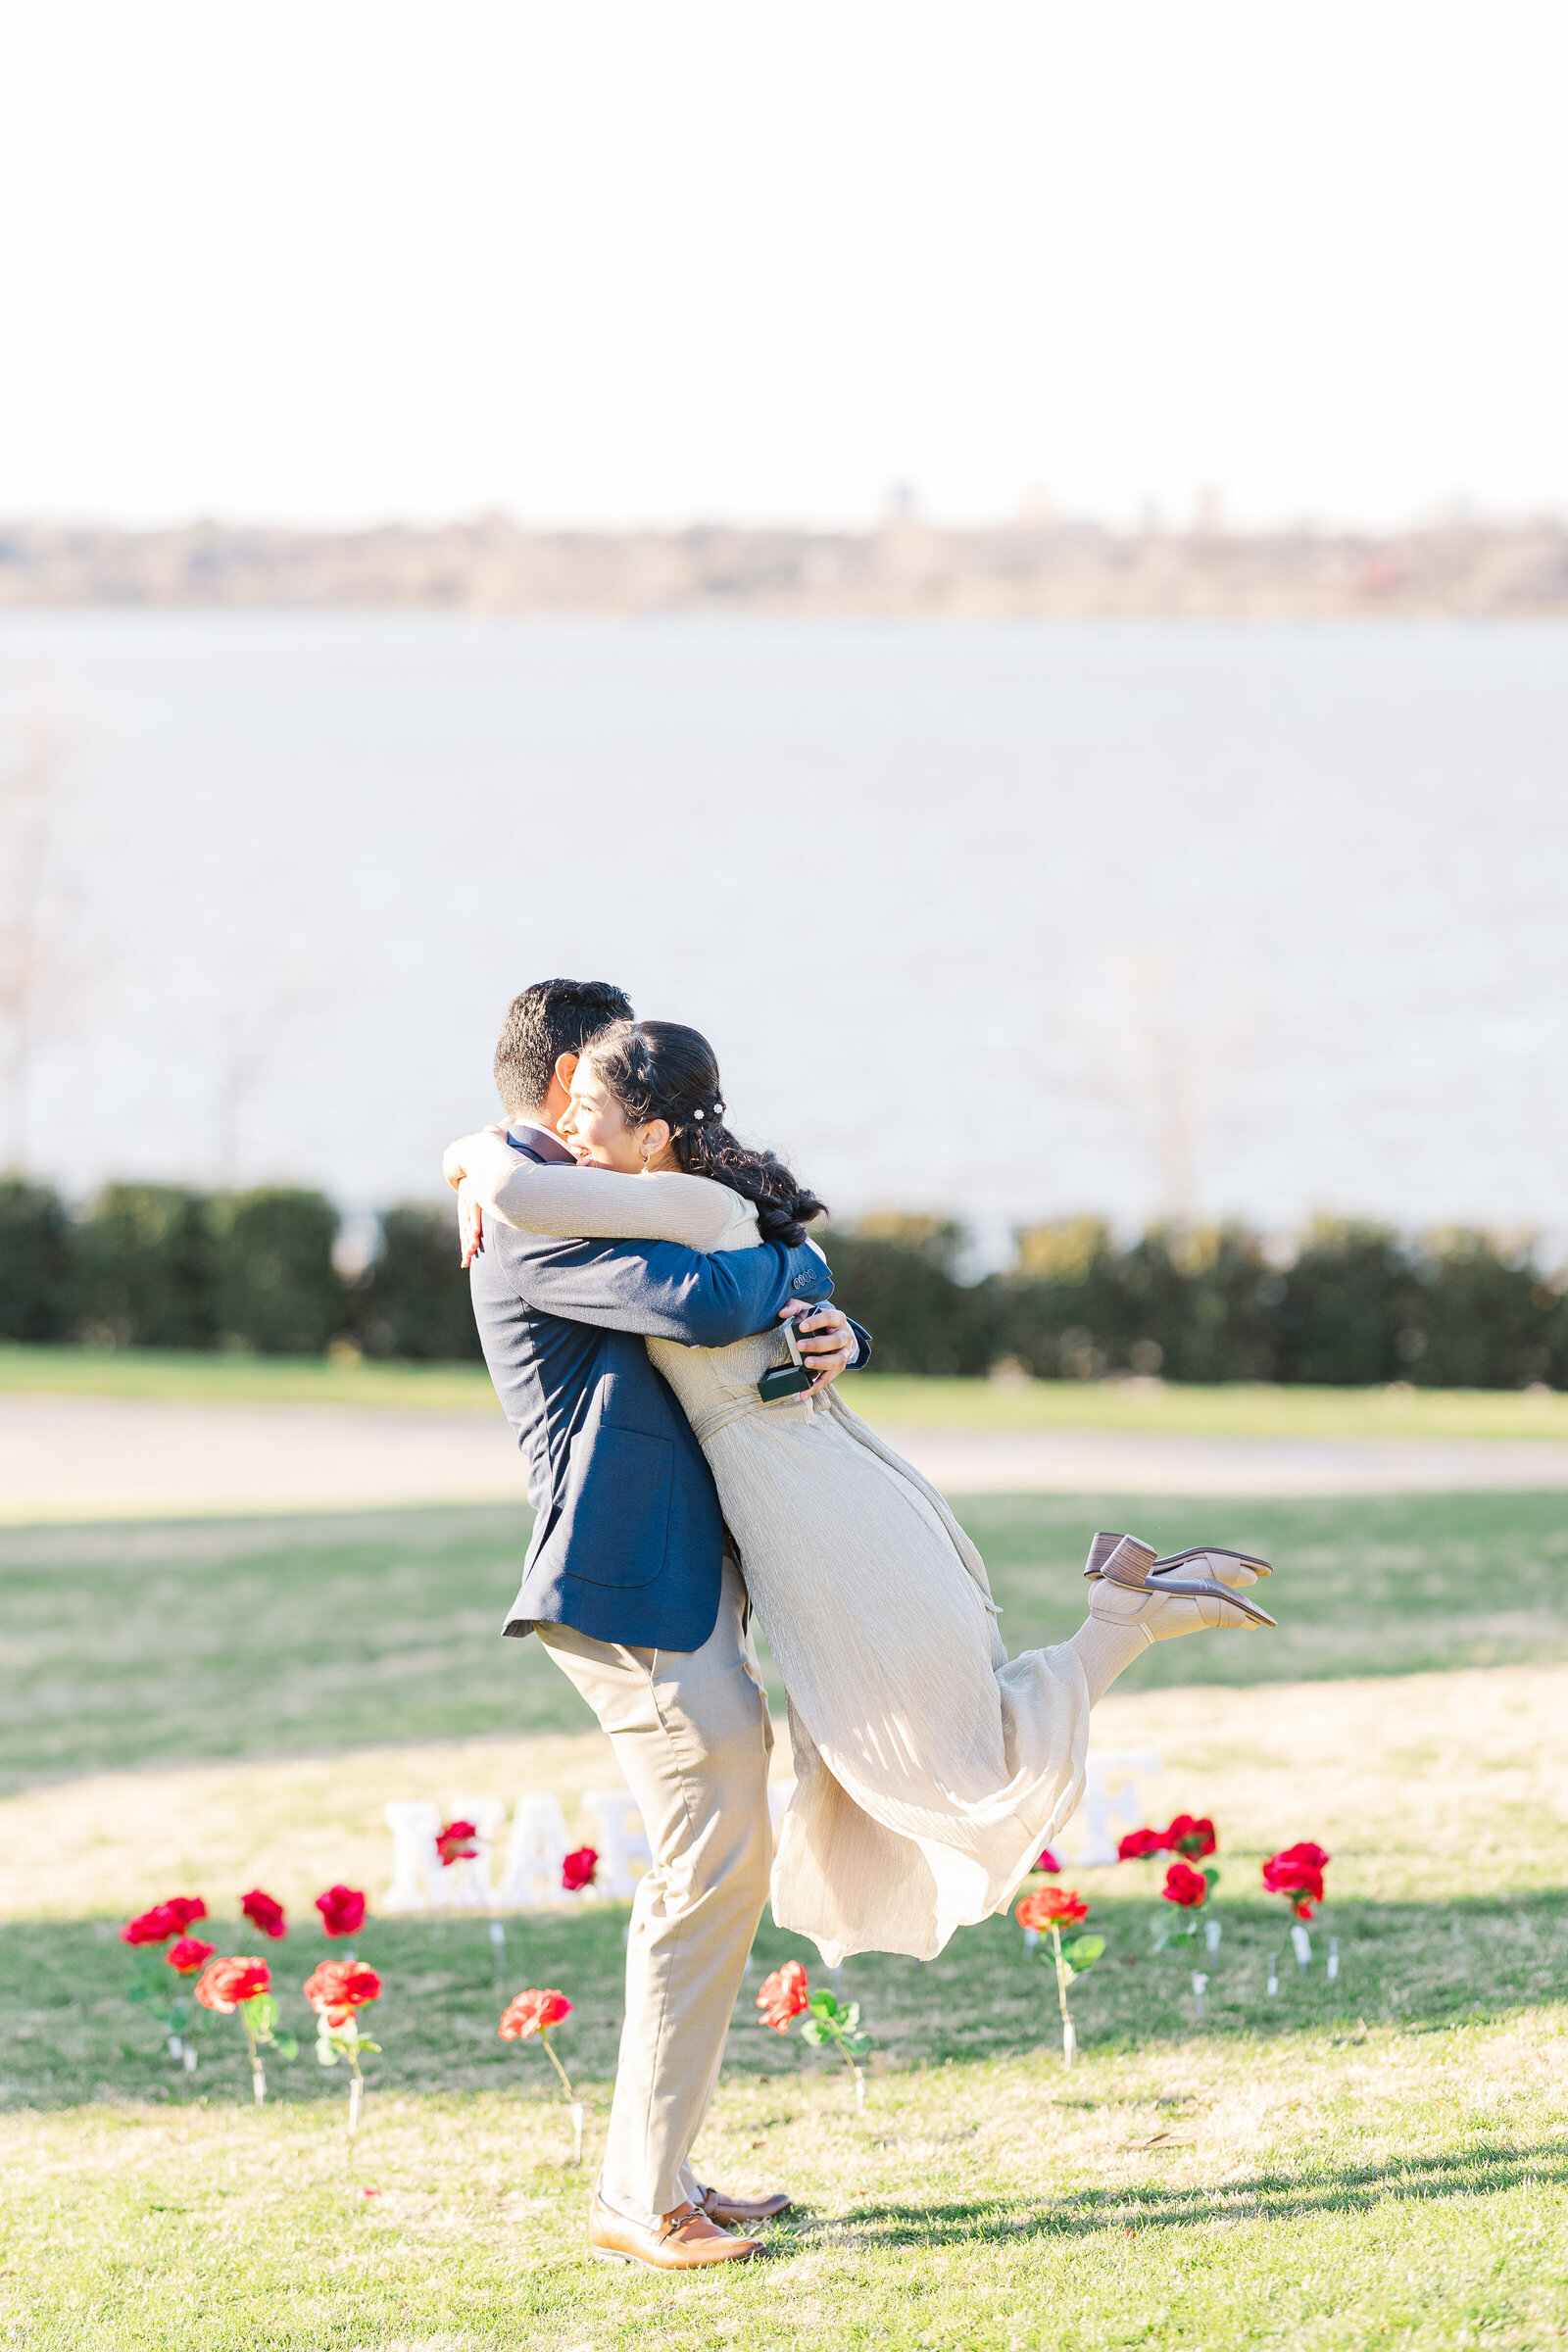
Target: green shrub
[
  {"x": 142, "y": 1269},
  {"x": 35, "y": 1263},
  {"x": 1486, "y": 1317},
  {"x": 1189, "y": 1302},
  {"x": 412, "y": 1300},
  {"x": 274, "y": 1285},
  {"x": 1349, "y": 1314},
  {"x": 896, "y": 1275}
]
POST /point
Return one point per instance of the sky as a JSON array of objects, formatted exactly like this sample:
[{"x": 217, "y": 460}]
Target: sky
[{"x": 617, "y": 264}]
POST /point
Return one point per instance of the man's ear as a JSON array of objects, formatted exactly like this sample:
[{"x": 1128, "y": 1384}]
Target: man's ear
[{"x": 565, "y": 1064}]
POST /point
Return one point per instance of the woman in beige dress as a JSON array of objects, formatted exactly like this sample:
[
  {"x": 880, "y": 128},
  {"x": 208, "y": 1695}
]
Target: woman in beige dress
[{"x": 930, "y": 1767}]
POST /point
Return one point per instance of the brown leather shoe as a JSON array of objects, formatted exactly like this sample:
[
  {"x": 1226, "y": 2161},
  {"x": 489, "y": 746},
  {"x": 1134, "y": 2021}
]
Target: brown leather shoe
[
  {"x": 684, "y": 2240},
  {"x": 721, "y": 2206}
]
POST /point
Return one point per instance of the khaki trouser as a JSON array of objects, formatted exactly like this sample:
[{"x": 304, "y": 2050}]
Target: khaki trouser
[{"x": 691, "y": 1734}]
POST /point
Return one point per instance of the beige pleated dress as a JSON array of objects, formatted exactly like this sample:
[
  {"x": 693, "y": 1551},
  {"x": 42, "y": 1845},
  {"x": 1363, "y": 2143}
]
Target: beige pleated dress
[{"x": 930, "y": 1767}]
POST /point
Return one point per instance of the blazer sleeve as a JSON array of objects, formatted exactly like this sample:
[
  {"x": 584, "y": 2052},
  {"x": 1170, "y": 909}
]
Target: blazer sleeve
[{"x": 662, "y": 1289}]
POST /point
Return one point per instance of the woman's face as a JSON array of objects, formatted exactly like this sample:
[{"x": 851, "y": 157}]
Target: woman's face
[{"x": 595, "y": 1126}]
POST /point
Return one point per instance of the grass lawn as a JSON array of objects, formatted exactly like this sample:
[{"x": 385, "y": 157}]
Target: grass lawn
[
  {"x": 1236, "y": 1409},
  {"x": 1350, "y": 2167},
  {"x": 1378, "y": 2162},
  {"x": 156, "y": 1643}
]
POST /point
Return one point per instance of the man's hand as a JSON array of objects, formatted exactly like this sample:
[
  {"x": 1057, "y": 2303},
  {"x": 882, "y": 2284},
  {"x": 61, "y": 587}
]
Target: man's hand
[{"x": 827, "y": 1343}]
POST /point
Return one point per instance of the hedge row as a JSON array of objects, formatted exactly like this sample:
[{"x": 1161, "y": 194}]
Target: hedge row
[
  {"x": 1350, "y": 1304},
  {"x": 151, "y": 1266},
  {"x": 155, "y": 1266}
]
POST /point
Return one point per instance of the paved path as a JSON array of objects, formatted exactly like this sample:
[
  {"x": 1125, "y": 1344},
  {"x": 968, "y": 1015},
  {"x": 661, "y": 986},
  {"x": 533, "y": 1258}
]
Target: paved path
[{"x": 102, "y": 1457}]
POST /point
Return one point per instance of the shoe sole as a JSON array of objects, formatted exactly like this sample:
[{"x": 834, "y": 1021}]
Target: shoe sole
[
  {"x": 1215, "y": 1551},
  {"x": 1204, "y": 1588}
]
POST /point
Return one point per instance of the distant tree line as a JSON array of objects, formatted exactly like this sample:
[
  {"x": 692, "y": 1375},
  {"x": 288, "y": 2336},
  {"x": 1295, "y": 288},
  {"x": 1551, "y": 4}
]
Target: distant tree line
[{"x": 158, "y": 1266}]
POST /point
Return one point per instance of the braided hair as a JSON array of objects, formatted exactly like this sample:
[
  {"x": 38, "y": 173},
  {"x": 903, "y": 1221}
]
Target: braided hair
[{"x": 663, "y": 1070}]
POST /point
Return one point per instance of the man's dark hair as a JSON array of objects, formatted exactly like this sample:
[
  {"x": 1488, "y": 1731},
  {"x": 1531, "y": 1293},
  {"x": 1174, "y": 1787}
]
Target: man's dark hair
[{"x": 549, "y": 1019}]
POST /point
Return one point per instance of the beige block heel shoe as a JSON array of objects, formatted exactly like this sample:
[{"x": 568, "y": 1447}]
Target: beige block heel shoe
[{"x": 1135, "y": 1566}]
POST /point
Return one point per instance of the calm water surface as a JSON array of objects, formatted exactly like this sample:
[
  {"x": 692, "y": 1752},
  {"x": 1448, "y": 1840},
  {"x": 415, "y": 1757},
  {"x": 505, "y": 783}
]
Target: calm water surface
[{"x": 1005, "y": 918}]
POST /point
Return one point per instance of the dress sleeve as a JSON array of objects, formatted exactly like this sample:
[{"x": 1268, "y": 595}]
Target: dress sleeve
[{"x": 599, "y": 1203}]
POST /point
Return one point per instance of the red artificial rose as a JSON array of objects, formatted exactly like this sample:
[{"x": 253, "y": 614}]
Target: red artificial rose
[
  {"x": 1051, "y": 1907},
  {"x": 533, "y": 2013},
  {"x": 579, "y": 1869},
  {"x": 783, "y": 1996},
  {"x": 188, "y": 1956},
  {"x": 149, "y": 1926},
  {"x": 342, "y": 1910},
  {"x": 264, "y": 1912},
  {"x": 335, "y": 1989},
  {"x": 224, "y": 1984},
  {"x": 1047, "y": 1861},
  {"x": 1297, "y": 1872},
  {"x": 1193, "y": 1838},
  {"x": 455, "y": 1844},
  {"x": 1185, "y": 1885},
  {"x": 164, "y": 1920},
  {"x": 1139, "y": 1844}
]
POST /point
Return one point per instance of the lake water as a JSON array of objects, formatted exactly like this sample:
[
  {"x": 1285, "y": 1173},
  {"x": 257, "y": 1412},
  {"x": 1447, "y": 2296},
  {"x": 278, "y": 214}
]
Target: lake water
[{"x": 1010, "y": 919}]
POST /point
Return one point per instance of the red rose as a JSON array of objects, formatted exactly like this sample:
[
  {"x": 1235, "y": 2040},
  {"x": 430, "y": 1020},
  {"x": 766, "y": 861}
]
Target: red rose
[
  {"x": 533, "y": 2013},
  {"x": 188, "y": 1956},
  {"x": 263, "y": 1913},
  {"x": 1047, "y": 1861},
  {"x": 342, "y": 1910},
  {"x": 1193, "y": 1838},
  {"x": 1297, "y": 1873},
  {"x": 579, "y": 1869},
  {"x": 1305, "y": 1853},
  {"x": 164, "y": 1920},
  {"x": 1139, "y": 1844},
  {"x": 453, "y": 1844},
  {"x": 224, "y": 1984},
  {"x": 149, "y": 1927},
  {"x": 1051, "y": 1907},
  {"x": 337, "y": 1987},
  {"x": 783, "y": 1996},
  {"x": 1185, "y": 1885}
]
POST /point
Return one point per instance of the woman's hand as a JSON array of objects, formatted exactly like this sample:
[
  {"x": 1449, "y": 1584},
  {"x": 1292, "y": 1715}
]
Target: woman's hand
[
  {"x": 470, "y": 1223},
  {"x": 827, "y": 1343},
  {"x": 456, "y": 1158}
]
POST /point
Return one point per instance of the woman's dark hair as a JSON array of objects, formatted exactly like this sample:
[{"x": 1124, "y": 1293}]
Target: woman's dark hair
[{"x": 663, "y": 1070}]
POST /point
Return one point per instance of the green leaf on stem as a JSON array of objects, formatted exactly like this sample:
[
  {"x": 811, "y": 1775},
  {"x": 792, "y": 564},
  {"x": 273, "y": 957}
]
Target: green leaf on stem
[{"x": 1084, "y": 1952}]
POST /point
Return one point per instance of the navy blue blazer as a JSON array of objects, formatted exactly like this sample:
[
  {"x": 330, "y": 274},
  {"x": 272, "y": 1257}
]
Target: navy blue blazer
[{"x": 629, "y": 1538}]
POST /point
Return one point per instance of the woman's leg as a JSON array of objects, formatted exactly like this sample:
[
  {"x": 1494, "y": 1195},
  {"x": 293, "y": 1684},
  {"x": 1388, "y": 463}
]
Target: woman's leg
[{"x": 1124, "y": 1619}]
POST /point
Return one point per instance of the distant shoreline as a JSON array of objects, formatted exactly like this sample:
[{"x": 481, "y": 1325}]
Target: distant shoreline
[{"x": 1057, "y": 570}]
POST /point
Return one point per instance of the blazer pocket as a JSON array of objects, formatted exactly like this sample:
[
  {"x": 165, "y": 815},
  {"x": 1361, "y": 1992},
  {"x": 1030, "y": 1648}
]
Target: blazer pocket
[{"x": 620, "y": 1514}]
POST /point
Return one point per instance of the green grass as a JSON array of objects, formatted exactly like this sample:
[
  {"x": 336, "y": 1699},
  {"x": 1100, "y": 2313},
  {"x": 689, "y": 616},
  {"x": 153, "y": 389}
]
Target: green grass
[
  {"x": 1238, "y": 1409},
  {"x": 71, "y": 2036},
  {"x": 164, "y": 1643},
  {"x": 1374, "y": 2164}
]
